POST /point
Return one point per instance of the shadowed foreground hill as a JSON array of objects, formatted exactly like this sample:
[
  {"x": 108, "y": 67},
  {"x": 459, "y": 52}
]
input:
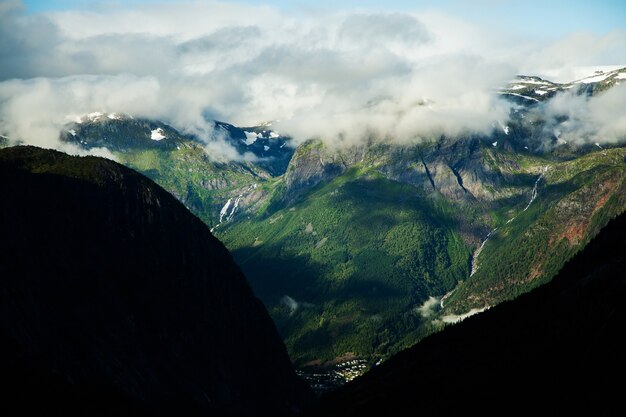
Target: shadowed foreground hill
[
  {"x": 116, "y": 300},
  {"x": 558, "y": 350}
]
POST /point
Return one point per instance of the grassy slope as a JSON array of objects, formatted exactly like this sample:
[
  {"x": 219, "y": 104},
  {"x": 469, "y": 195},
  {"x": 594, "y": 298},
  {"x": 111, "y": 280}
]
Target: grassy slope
[
  {"x": 362, "y": 253},
  {"x": 188, "y": 173},
  {"x": 555, "y": 351},
  {"x": 359, "y": 254},
  {"x": 576, "y": 199}
]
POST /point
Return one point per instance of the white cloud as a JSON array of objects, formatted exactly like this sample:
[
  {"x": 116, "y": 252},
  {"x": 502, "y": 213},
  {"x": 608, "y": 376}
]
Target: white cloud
[
  {"x": 562, "y": 59},
  {"x": 340, "y": 76},
  {"x": 430, "y": 307},
  {"x": 35, "y": 110},
  {"x": 580, "y": 119}
]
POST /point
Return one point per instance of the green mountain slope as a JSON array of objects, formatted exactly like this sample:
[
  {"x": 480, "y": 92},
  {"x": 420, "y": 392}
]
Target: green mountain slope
[
  {"x": 346, "y": 268},
  {"x": 558, "y": 350},
  {"x": 360, "y": 251},
  {"x": 359, "y": 264},
  {"x": 181, "y": 164},
  {"x": 574, "y": 200}
]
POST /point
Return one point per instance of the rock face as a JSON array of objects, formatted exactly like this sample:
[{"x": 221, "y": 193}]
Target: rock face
[
  {"x": 558, "y": 349},
  {"x": 116, "y": 299}
]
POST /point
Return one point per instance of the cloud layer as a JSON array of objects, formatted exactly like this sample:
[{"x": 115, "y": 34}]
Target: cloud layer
[
  {"x": 338, "y": 76},
  {"x": 579, "y": 119}
]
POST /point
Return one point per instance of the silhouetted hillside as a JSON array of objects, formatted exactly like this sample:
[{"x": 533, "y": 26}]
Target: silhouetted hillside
[{"x": 116, "y": 300}]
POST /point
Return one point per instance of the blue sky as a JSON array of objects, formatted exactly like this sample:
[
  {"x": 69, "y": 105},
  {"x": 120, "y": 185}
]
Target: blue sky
[{"x": 552, "y": 18}]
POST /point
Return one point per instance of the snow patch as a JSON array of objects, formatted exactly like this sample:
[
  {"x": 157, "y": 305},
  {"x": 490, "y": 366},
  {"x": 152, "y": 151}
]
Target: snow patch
[
  {"x": 251, "y": 137},
  {"x": 274, "y": 135},
  {"x": 532, "y": 81},
  {"x": 114, "y": 116},
  {"x": 266, "y": 148},
  {"x": 494, "y": 144},
  {"x": 157, "y": 134},
  {"x": 593, "y": 79},
  {"x": 72, "y": 132},
  {"x": 504, "y": 128},
  {"x": 95, "y": 116},
  {"x": 540, "y": 92},
  {"x": 519, "y": 95}
]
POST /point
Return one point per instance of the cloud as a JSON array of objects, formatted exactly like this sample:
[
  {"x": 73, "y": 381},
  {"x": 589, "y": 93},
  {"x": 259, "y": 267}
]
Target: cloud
[
  {"x": 339, "y": 76},
  {"x": 457, "y": 318},
  {"x": 294, "y": 305},
  {"x": 35, "y": 110},
  {"x": 430, "y": 307},
  {"x": 581, "y": 120},
  {"x": 561, "y": 60}
]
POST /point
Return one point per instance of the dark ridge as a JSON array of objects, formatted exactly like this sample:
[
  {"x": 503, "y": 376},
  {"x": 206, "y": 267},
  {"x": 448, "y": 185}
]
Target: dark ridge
[
  {"x": 116, "y": 300},
  {"x": 558, "y": 350},
  {"x": 459, "y": 179},
  {"x": 430, "y": 178}
]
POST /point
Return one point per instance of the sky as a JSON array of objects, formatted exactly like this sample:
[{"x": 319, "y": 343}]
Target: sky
[
  {"x": 339, "y": 71},
  {"x": 529, "y": 17}
]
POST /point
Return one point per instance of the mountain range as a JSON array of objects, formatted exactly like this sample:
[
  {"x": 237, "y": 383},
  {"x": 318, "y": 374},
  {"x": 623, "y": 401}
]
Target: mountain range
[
  {"x": 117, "y": 301},
  {"x": 359, "y": 252}
]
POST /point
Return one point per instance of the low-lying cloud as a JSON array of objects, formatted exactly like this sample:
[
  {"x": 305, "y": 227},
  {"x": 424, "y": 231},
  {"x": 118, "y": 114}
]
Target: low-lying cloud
[
  {"x": 294, "y": 305},
  {"x": 342, "y": 77},
  {"x": 578, "y": 119}
]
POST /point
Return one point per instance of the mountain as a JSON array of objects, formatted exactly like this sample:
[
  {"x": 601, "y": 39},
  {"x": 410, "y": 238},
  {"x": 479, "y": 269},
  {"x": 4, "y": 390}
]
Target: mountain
[
  {"x": 181, "y": 163},
  {"x": 364, "y": 250},
  {"x": 361, "y": 251},
  {"x": 116, "y": 300},
  {"x": 528, "y": 89},
  {"x": 557, "y": 350},
  {"x": 368, "y": 256}
]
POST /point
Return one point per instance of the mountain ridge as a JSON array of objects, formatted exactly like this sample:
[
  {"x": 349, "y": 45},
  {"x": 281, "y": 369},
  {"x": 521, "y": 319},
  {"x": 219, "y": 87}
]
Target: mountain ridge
[
  {"x": 480, "y": 204},
  {"x": 130, "y": 292}
]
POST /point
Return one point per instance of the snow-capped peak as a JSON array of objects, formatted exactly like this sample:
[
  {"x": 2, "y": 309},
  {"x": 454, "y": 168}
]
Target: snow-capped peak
[{"x": 95, "y": 116}]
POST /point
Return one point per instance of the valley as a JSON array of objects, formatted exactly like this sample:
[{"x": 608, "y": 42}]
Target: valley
[
  {"x": 235, "y": 208},
  {"x": 369, "y": 248}
]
